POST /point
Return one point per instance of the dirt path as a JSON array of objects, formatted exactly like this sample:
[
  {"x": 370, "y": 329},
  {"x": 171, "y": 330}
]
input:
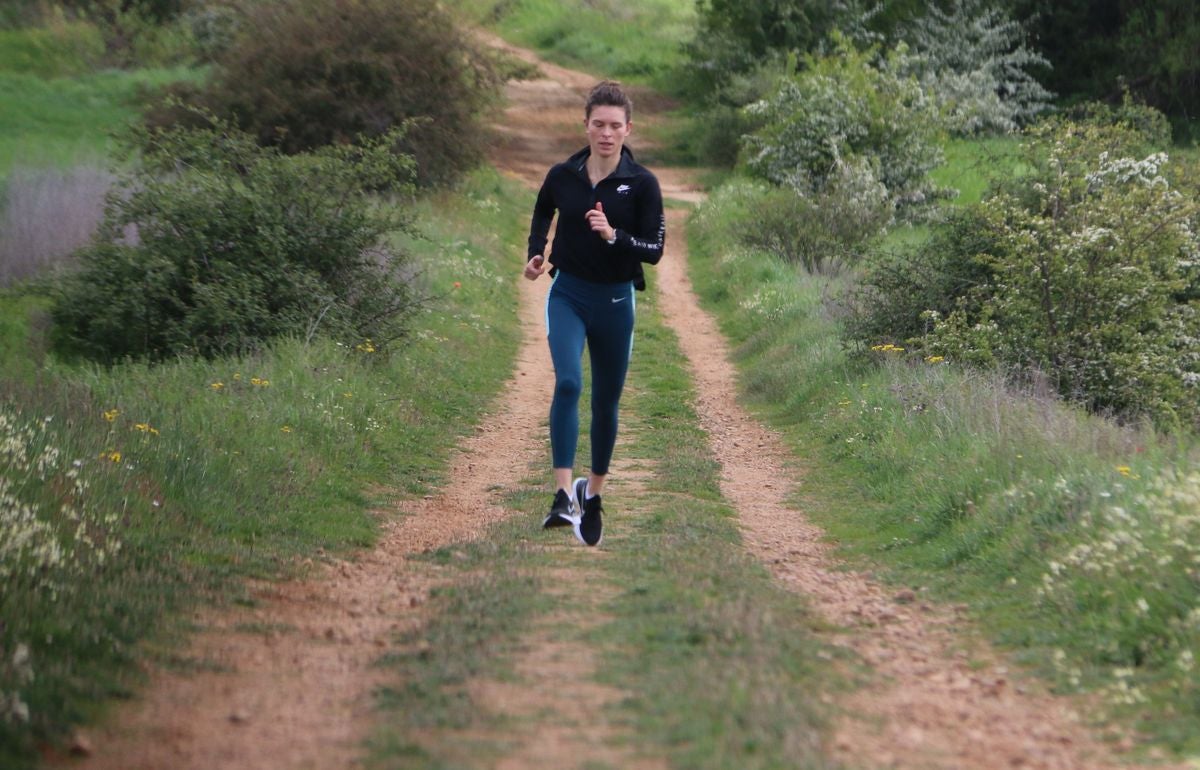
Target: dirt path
[
  {"x": 289, "y": 682},
  {"x": 940, "y": 697},
  {"x": 293, "y": 679}
]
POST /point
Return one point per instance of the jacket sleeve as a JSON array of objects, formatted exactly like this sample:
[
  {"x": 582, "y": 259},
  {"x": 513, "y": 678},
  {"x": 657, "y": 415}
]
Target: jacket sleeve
[
  {"x": 646, "y": 244},
  {"x": 543, "y": 215}
]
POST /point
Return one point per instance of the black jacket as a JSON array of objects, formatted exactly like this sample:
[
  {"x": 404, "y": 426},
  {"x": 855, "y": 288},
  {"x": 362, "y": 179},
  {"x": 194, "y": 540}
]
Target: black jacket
[{"x": 632, "y": 202}]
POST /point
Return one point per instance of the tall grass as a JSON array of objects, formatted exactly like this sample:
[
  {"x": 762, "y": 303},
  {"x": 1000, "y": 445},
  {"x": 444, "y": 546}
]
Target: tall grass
[
  {"x": 45, "y": 214},
  {"x": 192, "y": 474},
  {"x": 1073, "y": 537}
]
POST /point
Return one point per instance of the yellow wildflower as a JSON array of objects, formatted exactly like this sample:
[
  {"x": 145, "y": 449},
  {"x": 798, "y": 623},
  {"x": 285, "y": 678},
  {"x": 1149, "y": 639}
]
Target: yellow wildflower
[
  {"x": 145, "y": 427},
  {"x": 109, "y": 454},
  {"x": 366, "y": 346},
  {"x": 217, "y": 385},
  {"x": 111, "y": 414},
  {"x": 286, "y": 429},
  {"x": 259, "y": 382},
  {"x": 934, "y": 359}
]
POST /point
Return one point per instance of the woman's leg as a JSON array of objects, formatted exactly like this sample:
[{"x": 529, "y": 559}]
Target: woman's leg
[
  {"x": 610, "y": 342},
  {"x": 566, "y": 334}
]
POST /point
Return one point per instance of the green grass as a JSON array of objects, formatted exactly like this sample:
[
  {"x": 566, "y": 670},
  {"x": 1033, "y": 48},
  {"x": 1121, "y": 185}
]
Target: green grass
[
  {"x": 723, "y": 663},
  {"x": 970, "y": 163},
  {"x": 250, "y": 463},
  {"x": 57, "y": 50},
  {"x": 955, "y": 481},
  {"x": 632, "y": 42},
  {"x": 64, "y": 120}
]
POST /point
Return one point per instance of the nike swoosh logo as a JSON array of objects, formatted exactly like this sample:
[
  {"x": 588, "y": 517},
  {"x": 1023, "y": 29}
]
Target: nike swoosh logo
[{"x": 619, "y": 299}]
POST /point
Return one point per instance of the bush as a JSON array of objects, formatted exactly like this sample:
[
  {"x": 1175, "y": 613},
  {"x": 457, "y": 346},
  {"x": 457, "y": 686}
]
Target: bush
[
  {"x": 824, "y": 231},
  {"x": 898, "y": 292},
  {"x": 841, "y": 111},
  {"x": 733, "y": 36},
  {"x": 217, "y": 244},
  {"x": 1086, "y": 271},
  {"x": 307, "y": 73}
]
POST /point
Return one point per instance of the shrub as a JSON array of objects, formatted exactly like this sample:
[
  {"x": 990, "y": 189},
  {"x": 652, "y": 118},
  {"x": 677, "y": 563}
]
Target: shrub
[
  {"x": 972, "y": 60},
  {"x": 841, "y": 111},
  {"x": 823, "y": 231},
  {"x": 1086, "y": 270},
  {"x": 217, "y": 244},
  {"x": 733, "y": 36},
  {"x": 898, "y": 292},
  {"x": 307, "y": 73}
]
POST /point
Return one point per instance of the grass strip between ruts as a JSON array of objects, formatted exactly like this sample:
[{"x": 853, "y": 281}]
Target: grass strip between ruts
[{"x": 720, "y": 666}]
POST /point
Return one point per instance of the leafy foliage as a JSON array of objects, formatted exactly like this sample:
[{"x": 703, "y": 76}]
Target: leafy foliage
[
  {"x": 973, "y": 60},
  {"x": 733, "y": 37},
  {"x": 842, "y": 112},
  {"x": 1098, "y": 49},
  {"x": 303, "y": 74},
  {"x": 1086, "y": 270},
  {"x": 823, "y": 231},
  {"x": 217, "y": 244}
]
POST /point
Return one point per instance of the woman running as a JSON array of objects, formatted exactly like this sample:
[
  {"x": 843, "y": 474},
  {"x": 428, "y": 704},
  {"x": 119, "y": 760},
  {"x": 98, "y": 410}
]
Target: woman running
[{"x": 610, "y": 222}]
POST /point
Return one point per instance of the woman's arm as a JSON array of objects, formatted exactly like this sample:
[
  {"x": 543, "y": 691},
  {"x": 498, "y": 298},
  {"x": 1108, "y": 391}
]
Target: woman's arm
[
  {"x": 543, "y": 215},
  {"x": 647, "y": 241}
]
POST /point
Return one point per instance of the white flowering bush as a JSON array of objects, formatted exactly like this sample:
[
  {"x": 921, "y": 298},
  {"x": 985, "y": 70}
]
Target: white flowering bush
[
  {"x": 1094, "y": 276},
  {"x": 972, "y": 60},
  {"x": 50, "y": 540},
  {"x": 48, "y": 530},
  {"x": 1132, "y": 589},
  {"x": 843, "y": 112},
  {"x": 1084, "y": 272}
]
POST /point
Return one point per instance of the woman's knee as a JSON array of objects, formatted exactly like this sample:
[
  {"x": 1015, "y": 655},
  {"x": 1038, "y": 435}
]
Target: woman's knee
[{"x": 568, "y": 388}]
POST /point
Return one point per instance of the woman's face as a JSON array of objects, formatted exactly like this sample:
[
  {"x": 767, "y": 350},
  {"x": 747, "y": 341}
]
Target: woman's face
[{"x": 606, "y": 130}]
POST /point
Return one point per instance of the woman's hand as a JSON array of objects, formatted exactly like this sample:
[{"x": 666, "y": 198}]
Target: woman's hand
[
  {"x": 535, "y": 267},
  {"x": 599, "y": 223}
]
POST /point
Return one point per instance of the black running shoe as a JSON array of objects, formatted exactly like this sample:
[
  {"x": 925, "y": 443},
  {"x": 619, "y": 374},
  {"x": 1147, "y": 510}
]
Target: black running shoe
[
  {"x": 562, "y": 513},
  {"x": 589, "y": 527}
]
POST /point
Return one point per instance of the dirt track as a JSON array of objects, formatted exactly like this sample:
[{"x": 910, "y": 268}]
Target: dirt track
[{"x": 302, "y": 698}]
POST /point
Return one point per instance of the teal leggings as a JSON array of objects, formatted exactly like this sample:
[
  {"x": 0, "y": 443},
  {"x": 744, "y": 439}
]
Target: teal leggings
[{"x": 602, "y": 315}]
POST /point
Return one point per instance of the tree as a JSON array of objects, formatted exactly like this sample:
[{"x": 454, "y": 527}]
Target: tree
[{"x": 973, "y": 60}]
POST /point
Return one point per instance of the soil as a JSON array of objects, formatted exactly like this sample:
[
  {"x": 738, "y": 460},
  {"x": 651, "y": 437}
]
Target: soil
[{"x": 289, "y": 681}]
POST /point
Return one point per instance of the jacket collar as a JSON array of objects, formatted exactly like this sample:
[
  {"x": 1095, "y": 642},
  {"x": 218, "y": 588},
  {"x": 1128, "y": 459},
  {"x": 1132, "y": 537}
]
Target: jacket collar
[{"x": 627, "y": 166}]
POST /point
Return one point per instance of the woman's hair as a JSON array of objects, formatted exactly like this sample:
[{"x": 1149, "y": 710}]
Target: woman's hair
[{"x": 608, "y": 93}]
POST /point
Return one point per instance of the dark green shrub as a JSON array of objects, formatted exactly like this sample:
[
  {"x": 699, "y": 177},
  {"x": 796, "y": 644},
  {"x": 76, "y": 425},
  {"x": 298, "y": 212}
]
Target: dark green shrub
[
  {"x": 821, "y": 232},
  {"x": 734, "y": 36},
  {"x": 899, "y": 292},
  {"x": 1086, "y": 270},
  {"x": 217, "y": 244},
  {"x": 307, "y": 73}
]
